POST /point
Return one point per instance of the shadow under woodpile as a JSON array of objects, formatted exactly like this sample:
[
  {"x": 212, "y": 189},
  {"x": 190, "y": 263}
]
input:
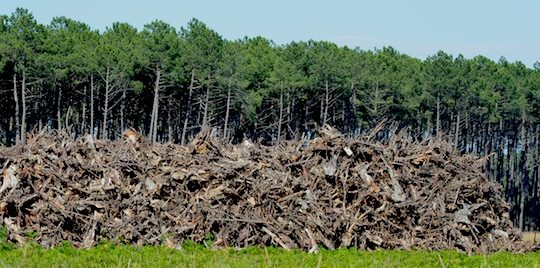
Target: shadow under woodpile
[{"x": 330, "y": 191}]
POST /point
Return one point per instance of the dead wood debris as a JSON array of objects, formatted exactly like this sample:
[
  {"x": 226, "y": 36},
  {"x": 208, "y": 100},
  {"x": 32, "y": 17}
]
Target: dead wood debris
[{"x": 333, "y": 192}]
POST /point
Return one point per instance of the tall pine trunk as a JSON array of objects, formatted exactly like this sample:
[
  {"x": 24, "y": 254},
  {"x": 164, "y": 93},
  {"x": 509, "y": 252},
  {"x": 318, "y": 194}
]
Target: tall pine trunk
[
  {"x": 41, "y": 106},
  {"x": 106, "y": 108},
  {"x": 354, "y": 125},
  {"x": 155, "y": 108},
  {"x": 59, "y": 109},
  {"x": 456, "y": 141},
  {"x": 438, "y": 123},
  {"x": 169, "y": 121},
  {"x": 326, "y": 104},
  {"x": 500, "y": 154},
  {"x": 17, "y": 117},
  {"x": 227, "y": 109},
  {"x": 289, "y": 115},
  {"x": 23, "y": 99},
  {"x": 280, "y": 120},
  {"x": 83, "y": 124},
  {"x": 188, "y": 113},
  {"x": 511, "y": 182},
  {"x": 524, "y": 174},
  {"x": 536, "y": 174},
  {"x": 92, "y": 106},
  {"x": 122, "y": 108},
  {"x": 205, "y": 123}
]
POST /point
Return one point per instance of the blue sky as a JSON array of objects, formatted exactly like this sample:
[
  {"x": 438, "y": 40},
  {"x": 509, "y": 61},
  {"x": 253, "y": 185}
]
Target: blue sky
[{"x": 416, "y": 27}]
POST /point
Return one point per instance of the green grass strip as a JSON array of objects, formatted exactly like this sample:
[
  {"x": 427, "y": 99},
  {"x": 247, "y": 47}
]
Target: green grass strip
[{"x": 108, "y": 255}]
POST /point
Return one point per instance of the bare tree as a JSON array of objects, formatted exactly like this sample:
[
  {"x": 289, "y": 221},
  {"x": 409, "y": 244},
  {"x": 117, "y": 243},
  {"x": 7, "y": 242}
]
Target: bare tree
[{"x": 111, "y": 92}]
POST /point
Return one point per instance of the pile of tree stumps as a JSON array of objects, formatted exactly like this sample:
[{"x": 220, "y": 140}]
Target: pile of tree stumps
[{"x": 328, "y": 192}]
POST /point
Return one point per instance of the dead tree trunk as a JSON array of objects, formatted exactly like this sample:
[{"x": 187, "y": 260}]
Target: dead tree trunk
[
  {"x": 83, "y": 124},
  {"x": 59, "y": 109},
  {"x": 326, "y": 104},
  {"x": 67, "y": 126},
  {"x": 376, "y": 101},
  {"x": 456, "y": 141},
  {"x": 16, "y": 99},
  {"x": 523, "y": 170},
  {"x": 321, "y": 117},
  {"x": 511, "y": 182},
  {"x": 536, "y": 174},
  {"x": 23, "y": 99},
  {"x": 11, "y": 129},
  {"x": 153, "y": 121},
  {"x": 438, "y": 122},
  {"x": 122, "y": 108},
  {"x": 500, "y": 154},
  {"x": 487, "y": 138},
  {"x": 106, "y": 108},
  {"x": 465, "y": 135},
  {"x": 92, "y": 105},
  {"x": 294, "y": 117},
  {"x": 280, "y": 120},
  {"x": 206, "y": 103},
  {"x": 289, "y": 115},
  {"x": 225, "y": 124},
  {"x": 353, "y": 128},
  {"x": 188, "y": 113},
  {"x": 169, "y": 121},
  {"x": 41, "y": 105}
]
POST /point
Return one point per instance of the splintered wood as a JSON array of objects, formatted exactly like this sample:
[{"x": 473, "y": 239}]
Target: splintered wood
[{"x": 331, "y": 192}]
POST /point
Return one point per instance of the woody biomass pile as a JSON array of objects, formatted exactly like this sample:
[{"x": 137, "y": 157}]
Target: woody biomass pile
[{"x": 330, "y": 191}]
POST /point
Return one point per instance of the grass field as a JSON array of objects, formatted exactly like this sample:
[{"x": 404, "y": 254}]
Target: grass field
[{"x": 107, "y": 255}]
